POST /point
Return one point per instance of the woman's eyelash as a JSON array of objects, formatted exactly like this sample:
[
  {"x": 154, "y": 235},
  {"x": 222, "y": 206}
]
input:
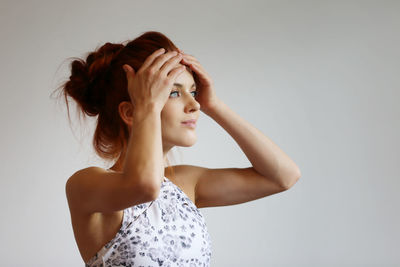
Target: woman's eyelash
[{"x": 196, "y": 92}]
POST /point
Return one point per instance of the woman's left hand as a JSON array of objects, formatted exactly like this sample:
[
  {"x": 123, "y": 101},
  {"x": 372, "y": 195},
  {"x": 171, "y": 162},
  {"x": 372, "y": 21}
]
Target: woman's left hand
[{"x": 206, "y": 93}]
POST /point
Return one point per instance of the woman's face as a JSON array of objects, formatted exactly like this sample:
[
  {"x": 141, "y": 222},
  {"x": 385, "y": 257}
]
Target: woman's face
[{"x": 180, "y": 106}]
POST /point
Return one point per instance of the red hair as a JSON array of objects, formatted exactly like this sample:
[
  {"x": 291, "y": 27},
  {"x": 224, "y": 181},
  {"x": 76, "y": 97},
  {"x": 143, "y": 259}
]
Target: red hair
[{"x": 98, "y": 85}]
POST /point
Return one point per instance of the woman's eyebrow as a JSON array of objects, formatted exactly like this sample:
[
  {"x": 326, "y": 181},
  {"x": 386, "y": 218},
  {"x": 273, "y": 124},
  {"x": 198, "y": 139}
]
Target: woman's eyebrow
[{"x": 181, "y": 86}]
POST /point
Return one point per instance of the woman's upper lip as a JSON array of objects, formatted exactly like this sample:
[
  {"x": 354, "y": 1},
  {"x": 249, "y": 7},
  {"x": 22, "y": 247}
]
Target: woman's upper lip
[{"x": 189, "y": 121}]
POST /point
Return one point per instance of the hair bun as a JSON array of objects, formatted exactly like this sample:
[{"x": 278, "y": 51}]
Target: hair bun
[
  {"x": 78, "y": 86},
  {"x": 87, "y": 82}
]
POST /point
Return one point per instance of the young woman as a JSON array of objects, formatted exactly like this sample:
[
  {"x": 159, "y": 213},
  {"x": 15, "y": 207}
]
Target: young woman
[{"x": 148, "y": 95}]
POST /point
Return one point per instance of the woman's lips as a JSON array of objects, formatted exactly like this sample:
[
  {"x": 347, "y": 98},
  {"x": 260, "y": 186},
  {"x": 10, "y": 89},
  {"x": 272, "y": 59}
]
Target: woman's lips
[{"x": 190, "y": 123}]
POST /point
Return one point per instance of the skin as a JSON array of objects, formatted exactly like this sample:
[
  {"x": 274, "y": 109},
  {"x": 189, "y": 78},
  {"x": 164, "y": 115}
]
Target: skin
[
  {"x": 180, "y": 106},
  {"x": 219, "y": 187}
]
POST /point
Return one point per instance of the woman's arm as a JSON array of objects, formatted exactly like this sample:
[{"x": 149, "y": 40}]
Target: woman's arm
[
  {"x": 272, "y": 172},
  {"x": 265, "y": 156}
]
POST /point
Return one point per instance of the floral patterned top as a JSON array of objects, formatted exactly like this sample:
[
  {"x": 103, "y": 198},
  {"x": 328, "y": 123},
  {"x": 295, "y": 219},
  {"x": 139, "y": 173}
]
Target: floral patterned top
[{"x": 169, "y": 231}]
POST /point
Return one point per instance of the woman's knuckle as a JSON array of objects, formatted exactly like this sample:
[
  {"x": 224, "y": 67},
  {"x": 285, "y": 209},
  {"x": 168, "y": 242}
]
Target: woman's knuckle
[
  {"x": 163, "y": 57},
  {"x": 158, "y": 75},
  {"x": 150, "y": 71}
]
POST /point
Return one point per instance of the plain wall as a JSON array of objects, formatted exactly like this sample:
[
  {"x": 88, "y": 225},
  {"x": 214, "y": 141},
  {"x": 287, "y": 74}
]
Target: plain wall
[{"x": 319, "y": 78}]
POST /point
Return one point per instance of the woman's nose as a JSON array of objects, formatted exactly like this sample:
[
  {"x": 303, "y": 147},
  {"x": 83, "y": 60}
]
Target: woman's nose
[{"x": 192, "y": 104}]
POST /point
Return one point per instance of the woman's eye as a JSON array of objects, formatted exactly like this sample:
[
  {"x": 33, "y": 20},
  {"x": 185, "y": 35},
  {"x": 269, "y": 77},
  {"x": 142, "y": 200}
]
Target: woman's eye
[
  {"x": 195, "y": 93},
  {"x": 173, "y": 92}
]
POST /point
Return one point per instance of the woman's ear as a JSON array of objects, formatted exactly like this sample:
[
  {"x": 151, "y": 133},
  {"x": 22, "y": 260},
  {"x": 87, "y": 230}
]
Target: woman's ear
[{"x": 125, "y": 109}]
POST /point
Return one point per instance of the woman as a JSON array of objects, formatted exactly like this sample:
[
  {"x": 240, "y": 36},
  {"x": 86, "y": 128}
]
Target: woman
[{"x": 148, "y": 95}]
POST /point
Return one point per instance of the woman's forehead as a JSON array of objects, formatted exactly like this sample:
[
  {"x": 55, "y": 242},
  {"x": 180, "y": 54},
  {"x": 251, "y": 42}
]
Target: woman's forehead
[{"x": 185, "y": 77}]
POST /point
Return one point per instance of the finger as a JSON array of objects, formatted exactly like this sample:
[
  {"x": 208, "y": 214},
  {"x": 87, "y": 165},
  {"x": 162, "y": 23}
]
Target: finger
[
  {"x": 186, "y": 62},
  {"x": 195, "y": 69},
  {"x": 199, "y": 71},
  {"x": 190, "y": 61},
  {"x": 172, "y": 62},
  {"x": 193, "y": 65},
  {"x": 151, "y": 58},
  {"x": 189, "y": 57},
  {"x": 159, "y": 61},
  {"x": 175, "y": 72},
  {"x": 129, "y": 71}
]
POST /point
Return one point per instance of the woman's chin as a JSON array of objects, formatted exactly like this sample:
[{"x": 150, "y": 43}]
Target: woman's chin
[
  {"x": 187, "y": 145},
  {"x": 187, "y": 142}
]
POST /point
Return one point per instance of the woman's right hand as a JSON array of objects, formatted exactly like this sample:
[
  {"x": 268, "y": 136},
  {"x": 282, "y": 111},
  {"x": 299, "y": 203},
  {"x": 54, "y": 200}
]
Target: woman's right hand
[{"x": 150, "y": 86}]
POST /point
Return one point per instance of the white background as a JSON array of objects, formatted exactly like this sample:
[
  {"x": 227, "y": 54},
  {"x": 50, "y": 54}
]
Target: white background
[{"x": 319, "y": 78}]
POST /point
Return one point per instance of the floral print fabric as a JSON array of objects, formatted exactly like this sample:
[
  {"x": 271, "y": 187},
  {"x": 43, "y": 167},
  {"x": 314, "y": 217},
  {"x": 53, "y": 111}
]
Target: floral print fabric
[{"x": 169, "y": 231}]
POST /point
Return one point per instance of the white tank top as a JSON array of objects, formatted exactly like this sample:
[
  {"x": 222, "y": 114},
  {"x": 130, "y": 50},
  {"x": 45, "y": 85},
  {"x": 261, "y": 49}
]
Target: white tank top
[{"x": 169, "y": 231}]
